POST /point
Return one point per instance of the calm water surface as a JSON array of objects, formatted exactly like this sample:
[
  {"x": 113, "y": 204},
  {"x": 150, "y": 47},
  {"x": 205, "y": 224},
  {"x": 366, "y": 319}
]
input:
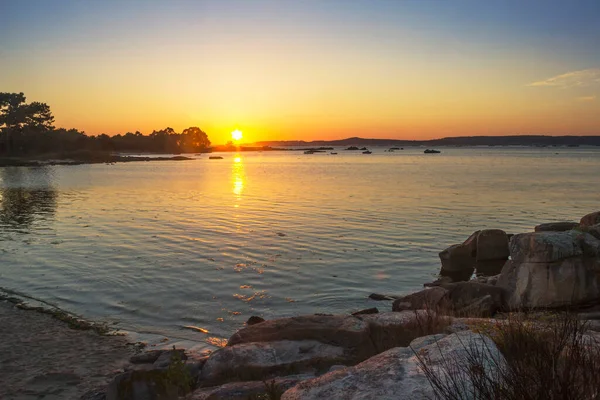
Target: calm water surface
[{"x": 155, "y": 247}]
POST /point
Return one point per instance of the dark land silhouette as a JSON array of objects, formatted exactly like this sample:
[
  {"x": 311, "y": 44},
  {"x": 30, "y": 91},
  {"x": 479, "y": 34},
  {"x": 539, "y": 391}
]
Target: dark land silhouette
[
  {"x": 27, "y": 130},
  {"x": 513, "y": 140}
]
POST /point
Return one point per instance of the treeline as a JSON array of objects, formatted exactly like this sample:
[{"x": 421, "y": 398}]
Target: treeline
[{"x": 27, "y": 129}]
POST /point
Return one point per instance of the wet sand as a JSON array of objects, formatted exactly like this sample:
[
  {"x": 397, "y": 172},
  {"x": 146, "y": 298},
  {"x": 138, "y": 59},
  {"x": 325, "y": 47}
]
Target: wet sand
[{"x": 41, "y": 357}]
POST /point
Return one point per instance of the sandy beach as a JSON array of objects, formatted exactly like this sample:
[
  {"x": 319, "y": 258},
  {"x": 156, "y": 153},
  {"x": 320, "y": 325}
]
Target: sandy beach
[{"x": 41, "y": 357}]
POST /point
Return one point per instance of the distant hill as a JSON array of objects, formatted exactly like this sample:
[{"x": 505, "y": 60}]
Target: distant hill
[{"x": 529, "y": 140}]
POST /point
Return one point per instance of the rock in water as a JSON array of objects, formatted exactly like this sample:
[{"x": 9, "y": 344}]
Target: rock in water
[
  {"x": 492, "y": 244},
  {"x": 372, "y": 310},
  {"x": 347, "y": 332},
  {"x": 458, "y": 261},
  {"x": 472, "y": 299},
  {"x": 591, "y": 219},
  {"x": 253, "y": 320},
  {"x": 556, "y": 226}
]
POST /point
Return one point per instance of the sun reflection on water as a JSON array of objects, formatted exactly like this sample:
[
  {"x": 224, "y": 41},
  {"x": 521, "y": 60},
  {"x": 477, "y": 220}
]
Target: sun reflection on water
[{"x": 237, "y": 177}]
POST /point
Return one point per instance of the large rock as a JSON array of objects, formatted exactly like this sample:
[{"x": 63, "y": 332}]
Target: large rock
[
  {"x": 398, "y": 329},
  {"x": 590, "y": 219},
  {"x": 544, "y": 247},
  {"x": 434, "y": 298},
  {"x": 260, "y": 361},
  {"x": 570, "y": 282},
  {"x": 556, "y": 226},
  {"x": 397, "y": 373},
  {"x": 459, "y": 298},
  {"x": 458, "y": 261},
  {"x": 552, "y": 269},
  {"x": 348, "y": 332},
  {"x": 593, "y": 230},
  {"x": 492, "y": 244},
  {"x": 489, "y": 267}
]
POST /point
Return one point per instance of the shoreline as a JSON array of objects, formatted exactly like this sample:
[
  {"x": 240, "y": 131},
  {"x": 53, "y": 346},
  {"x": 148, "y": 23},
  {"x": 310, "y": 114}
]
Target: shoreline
[{"x": 43, "y": 357}]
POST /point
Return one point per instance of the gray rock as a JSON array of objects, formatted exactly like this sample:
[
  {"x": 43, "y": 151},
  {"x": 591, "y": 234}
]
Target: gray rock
[
  {"x": 492, "y": 244},
  {"x": 381, "y": 297},
  {"x": 543, "y": 247},
  {"x": 552, "y": 269},
  {"x": 464, "y": 294},
  {"x": 348, "y": 332},
  {"x": 253, "y": 320},
  {"x": 396, "y": 374},
  {"x": 489, "y": 267},
  {"x": 570, "y": 282},
  {"x": 590, "y": 219},
  {"x": 458, "y": 298},
  {"x": 441, "y": 280},
  {"x": 458, "y": 258},
  {"x": 398, "y": 329},
  {"x": 433, "y": 298},
  {"x": 147, "y": 357},
  {"x": 556, "y": 226},
  {"x": 260, "y": 361},
  {"x": 372, "y": 310},
  {"x": 593, "y": 230}
]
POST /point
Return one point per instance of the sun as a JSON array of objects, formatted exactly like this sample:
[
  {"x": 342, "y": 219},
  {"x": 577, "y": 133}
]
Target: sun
[{"x": 236, "y": 135}]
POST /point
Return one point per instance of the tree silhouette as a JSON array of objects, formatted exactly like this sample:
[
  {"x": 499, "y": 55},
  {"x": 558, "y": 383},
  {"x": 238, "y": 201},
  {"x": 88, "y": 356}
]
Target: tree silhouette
[
  {"x": 26, "y": 129},
  {"x": 19, "y": 119}
]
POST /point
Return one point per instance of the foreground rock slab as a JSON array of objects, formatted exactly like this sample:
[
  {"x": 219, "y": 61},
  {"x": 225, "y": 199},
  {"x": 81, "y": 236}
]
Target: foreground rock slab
[
  {"x": 348, "y": 332},
  {"x": 395, "y": 374},
  {"x": 260, "y": 361}
]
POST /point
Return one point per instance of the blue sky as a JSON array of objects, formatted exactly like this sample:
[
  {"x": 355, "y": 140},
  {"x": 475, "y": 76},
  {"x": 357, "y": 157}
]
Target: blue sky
[{"x": 387, "y": 52}]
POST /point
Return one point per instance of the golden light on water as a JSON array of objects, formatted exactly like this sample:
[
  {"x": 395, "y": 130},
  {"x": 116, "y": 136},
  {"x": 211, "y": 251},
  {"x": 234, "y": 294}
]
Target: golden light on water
[
  {"x": 237, "y": 176},
  {"x": 236, "y": 135}
]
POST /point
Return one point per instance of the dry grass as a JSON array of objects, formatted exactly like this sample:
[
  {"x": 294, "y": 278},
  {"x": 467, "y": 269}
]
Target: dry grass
[{"x": 550, "y": 358}]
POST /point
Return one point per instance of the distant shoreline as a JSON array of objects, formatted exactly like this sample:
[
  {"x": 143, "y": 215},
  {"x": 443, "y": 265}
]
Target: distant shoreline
[
  {"x": 525, "y": 140},
  {"x": 79, "y": 160}
]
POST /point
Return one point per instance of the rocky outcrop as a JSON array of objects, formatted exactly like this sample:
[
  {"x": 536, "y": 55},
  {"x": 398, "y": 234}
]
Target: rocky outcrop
[
  {"x": 484, "y": 251},
  {"x": 590, "y": 219},
  {"x": 397, "y": 373},
  {"x": 552, "y": 269},
  {"x": 261, "y": 361},
  {"x": 398, "y": 329},
  {"x": 348, "y": 332},
  {"x": 492, "y": 244},
  {"x": 458, "y": 261},
  {"x": 468, "y": 299},
  {"x": 313, "y": 344},
  {"x": 556, "y": 226}
]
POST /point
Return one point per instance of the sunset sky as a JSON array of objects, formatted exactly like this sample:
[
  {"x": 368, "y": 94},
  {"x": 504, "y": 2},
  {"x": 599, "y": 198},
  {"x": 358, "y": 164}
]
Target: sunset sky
[{"x": 320, "y": 69}]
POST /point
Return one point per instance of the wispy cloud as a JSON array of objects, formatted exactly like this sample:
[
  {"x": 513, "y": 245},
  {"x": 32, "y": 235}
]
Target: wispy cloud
[
  {"x": 584, "y": 77},
  {"x": 587, "y": 98}
]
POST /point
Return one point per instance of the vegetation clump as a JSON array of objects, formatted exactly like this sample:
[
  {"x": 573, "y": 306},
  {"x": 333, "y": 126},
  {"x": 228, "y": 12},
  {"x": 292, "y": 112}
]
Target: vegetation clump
[
  {"x": 551, "y": 357},
  {"x": 27, "y": 129}
]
